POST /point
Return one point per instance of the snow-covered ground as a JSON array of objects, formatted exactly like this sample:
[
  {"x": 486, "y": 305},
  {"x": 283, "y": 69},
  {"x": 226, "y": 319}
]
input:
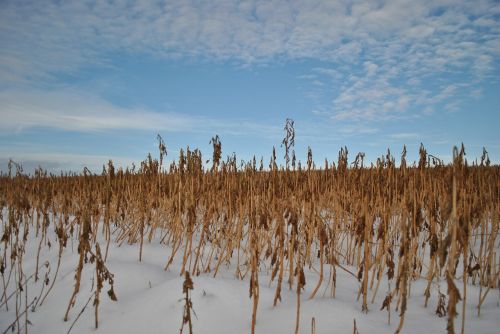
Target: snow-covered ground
[{"x": 150, "y": 300}]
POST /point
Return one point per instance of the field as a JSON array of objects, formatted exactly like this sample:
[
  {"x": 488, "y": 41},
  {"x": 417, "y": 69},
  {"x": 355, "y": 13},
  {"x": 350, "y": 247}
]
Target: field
[{"x": 247, "y": 247}]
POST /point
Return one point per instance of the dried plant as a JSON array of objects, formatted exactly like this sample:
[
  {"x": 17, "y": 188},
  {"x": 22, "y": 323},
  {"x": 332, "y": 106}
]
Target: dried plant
[
  {"x": 188, "y": 304},
  {"x": 377, "y": 223}
]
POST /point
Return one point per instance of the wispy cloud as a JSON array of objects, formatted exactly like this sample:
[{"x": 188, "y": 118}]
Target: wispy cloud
[
  {"x": 74, "y": 110},
  {"x": 77, "y": 111},
  {"x": 413, "y": 63},
  {"x": 70, "y": 34},
  {"x": 405, "y": 135}
]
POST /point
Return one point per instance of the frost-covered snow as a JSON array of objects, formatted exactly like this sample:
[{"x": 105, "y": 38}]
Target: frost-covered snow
[{"x": 150, "y": 300}]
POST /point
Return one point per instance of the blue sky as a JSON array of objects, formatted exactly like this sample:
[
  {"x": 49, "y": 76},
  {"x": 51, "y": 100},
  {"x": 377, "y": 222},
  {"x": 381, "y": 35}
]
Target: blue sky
[{"x": 85, "y": 81}]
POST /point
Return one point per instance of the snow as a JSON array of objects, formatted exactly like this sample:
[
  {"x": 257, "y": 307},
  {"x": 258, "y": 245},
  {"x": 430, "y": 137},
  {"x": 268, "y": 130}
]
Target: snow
[{"x": 150, "y": 299}]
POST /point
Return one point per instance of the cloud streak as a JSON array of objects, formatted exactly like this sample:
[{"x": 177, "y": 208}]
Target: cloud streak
[{"x": 74, "y": 110}]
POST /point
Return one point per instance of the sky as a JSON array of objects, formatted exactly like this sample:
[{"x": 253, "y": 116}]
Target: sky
[{"x": 82, "y": 82}]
